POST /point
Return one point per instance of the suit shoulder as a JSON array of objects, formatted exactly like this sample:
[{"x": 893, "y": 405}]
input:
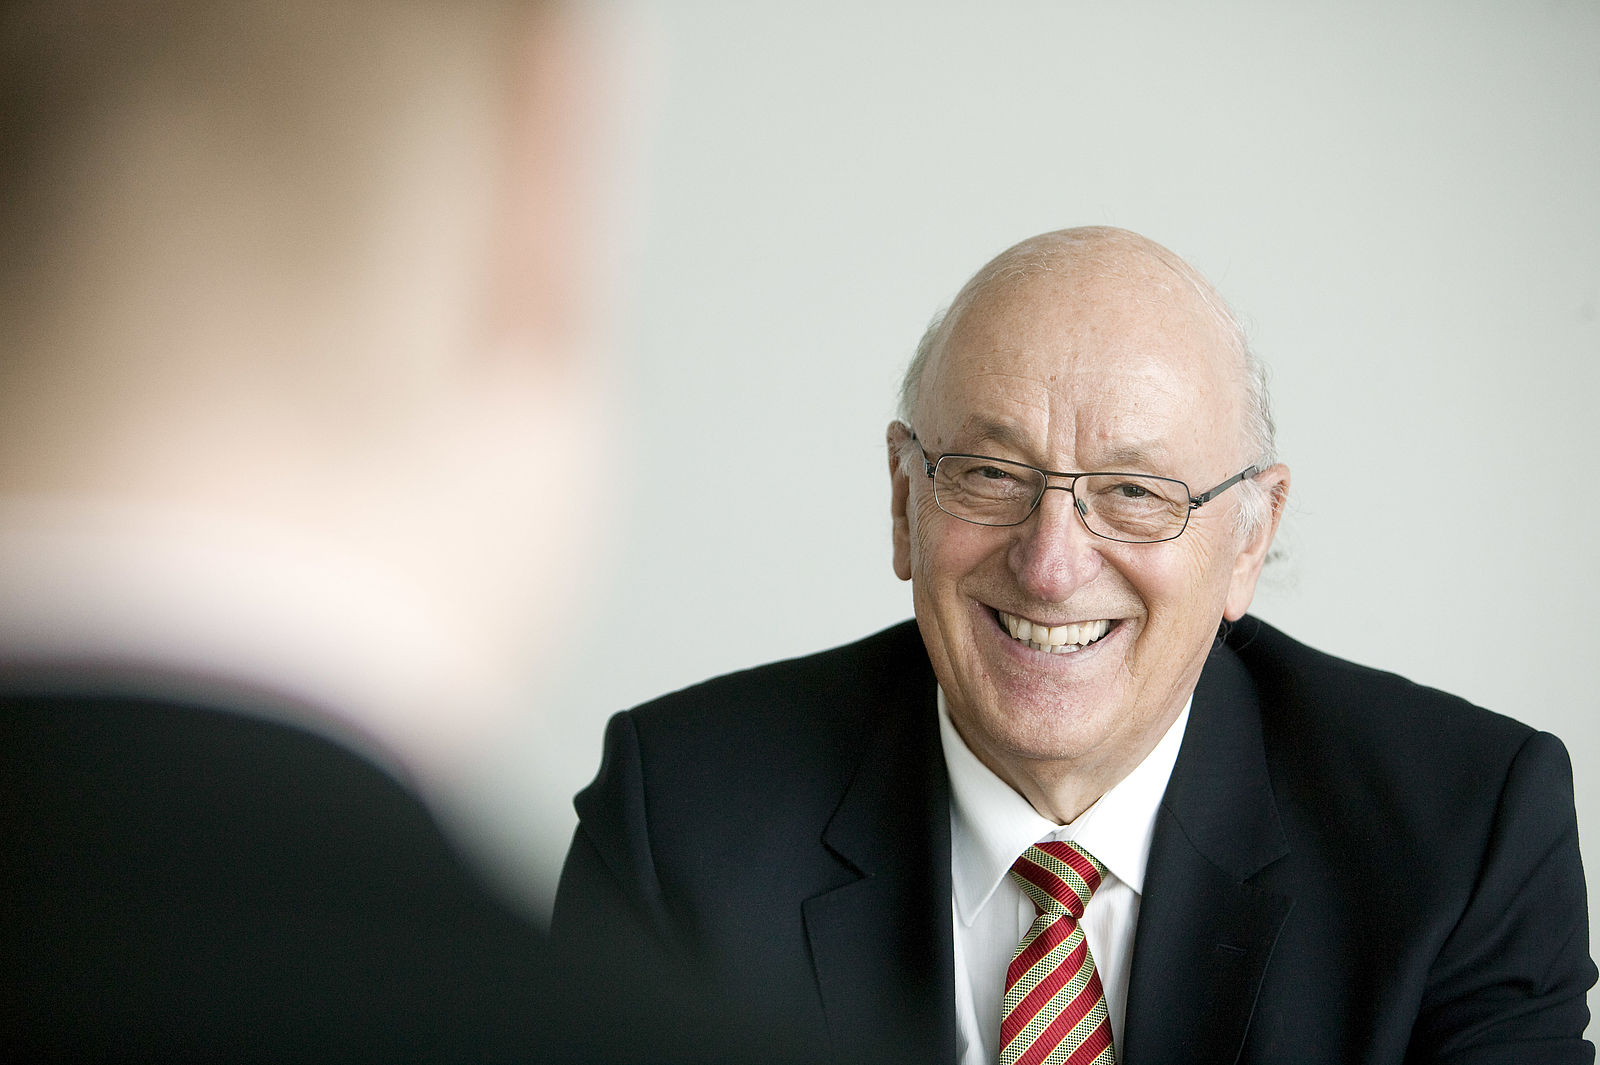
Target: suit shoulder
[
  {"x": 798, "y": 726},
  {"x": 1304, "y": 691},
  {"x": 763, "y": 753}
]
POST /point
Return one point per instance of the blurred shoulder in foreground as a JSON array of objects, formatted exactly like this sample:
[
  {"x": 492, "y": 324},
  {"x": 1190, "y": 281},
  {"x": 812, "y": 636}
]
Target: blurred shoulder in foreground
[
  {"x": 301, "y": 359},
  {"x": 187, "y": 883}
]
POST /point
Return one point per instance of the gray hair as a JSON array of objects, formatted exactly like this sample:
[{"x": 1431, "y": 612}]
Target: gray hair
[{"x": 1098, "y": 247}]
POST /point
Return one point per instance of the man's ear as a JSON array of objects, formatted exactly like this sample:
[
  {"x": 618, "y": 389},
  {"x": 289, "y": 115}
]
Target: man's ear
[
  {"x": 1247, "y": 566},
  {"x": 899, "y": 436}
]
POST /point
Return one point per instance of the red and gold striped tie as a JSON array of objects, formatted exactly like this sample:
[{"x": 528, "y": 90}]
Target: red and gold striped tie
[{"x": 1055, "y": 1007}]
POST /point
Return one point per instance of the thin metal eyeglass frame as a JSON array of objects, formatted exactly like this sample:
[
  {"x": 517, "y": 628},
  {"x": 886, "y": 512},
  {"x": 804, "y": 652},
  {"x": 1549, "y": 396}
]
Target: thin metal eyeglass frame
[{"x": 1195, "y": 501}]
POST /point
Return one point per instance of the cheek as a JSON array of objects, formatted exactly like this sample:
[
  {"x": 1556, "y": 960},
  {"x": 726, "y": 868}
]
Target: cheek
[
  {"x": 927, "y": 538},
  {"x": 1184, "y": 587}
]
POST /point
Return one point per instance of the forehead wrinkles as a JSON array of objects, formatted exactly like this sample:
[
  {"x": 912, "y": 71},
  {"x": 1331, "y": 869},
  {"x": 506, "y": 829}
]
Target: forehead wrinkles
[
  {"x": 1071, "y": 335},
  {"x": 996, "y": 404},
  {"x": 1005, "y": 383},
  {"x": 1127, "y": 411},
  {"x": 1086, "y": 395}
]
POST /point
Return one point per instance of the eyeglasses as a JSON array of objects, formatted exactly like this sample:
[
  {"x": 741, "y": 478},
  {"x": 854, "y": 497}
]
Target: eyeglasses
[{"x": 1133, "y": 508}]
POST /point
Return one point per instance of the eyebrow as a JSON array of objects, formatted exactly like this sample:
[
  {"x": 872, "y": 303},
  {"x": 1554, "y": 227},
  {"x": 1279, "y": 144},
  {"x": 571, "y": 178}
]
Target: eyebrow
[
  {"x": 986, "y": 431},
  {"x": 1143, "y": 455}
]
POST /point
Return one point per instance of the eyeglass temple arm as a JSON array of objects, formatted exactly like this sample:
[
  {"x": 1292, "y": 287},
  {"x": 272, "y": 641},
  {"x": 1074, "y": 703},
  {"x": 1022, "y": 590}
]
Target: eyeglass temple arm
[
  {"x": 1195, "y": 502},
  {"x": 926, "y": 465}
]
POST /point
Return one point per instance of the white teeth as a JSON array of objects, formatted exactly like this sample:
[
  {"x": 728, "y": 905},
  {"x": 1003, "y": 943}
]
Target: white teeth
[{"x": 1058, "y": 639}]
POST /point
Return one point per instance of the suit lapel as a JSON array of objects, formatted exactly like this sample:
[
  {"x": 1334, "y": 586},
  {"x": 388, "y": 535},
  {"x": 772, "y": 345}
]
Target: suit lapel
[
  {"x": 1205, "y": 934},
  {"x": 881, "y": 945}
]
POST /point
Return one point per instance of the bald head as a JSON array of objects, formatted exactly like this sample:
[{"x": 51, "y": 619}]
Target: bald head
[
  {"x": 300, "y": 102},
  {"x": 254, "y": 225},
  {"x": 1127, "y": 275}
]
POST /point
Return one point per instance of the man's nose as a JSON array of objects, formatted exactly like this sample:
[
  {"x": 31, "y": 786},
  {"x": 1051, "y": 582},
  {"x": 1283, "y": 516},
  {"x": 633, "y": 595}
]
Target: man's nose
[{"x": 1053, "y": 553}]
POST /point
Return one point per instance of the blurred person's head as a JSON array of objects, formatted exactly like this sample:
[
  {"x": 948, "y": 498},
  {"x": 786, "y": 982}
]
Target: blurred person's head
[{"x": 299, "y": 310}]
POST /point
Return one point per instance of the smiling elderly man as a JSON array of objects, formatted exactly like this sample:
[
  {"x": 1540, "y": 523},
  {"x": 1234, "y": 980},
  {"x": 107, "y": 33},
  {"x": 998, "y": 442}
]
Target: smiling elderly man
[{"x": 1087, "y": 809}]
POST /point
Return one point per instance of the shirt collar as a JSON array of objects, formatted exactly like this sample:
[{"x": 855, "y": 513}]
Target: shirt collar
[{"x": 991, "y": 824}]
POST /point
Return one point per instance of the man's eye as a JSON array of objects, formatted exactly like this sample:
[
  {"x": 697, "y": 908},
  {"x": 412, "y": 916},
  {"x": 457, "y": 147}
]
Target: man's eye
[
  {"x": 1131, "y": 491},
  {"x": 992, "y": 473}
]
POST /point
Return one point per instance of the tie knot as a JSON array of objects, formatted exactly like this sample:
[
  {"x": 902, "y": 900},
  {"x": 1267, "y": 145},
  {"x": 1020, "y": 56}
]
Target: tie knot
[{"x": 1060, "y": 877}]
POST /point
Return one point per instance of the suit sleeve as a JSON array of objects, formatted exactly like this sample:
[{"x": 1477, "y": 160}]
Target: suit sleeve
[
  {"x": 609, "y": 905},
  {"x": 1510, "y": 984},
  {"x": 639, "y": 992}
]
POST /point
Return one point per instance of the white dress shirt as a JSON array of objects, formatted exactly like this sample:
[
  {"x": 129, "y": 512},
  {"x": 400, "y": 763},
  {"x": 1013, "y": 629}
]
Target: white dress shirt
[{"x": 990, "y": 826}]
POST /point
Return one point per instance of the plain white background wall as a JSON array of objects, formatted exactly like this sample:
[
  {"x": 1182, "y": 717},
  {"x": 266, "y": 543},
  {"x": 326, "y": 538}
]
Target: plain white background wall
[{"x": 1402, "y": 201}]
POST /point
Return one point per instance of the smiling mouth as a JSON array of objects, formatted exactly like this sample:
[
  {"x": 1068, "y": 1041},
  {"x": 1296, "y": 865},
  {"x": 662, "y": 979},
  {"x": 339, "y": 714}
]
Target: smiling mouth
[{"x": 1053, "y": 639}]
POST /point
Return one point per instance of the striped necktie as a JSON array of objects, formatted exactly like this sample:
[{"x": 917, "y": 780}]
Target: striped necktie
[{"x": 1055, "y": 1007}]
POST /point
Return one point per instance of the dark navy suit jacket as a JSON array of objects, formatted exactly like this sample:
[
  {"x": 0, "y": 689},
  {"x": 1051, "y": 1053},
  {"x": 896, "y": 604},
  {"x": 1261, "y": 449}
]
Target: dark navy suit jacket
[
  {"x": 185, "y": 883},
  {"x": 1346, "y": 867}
]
